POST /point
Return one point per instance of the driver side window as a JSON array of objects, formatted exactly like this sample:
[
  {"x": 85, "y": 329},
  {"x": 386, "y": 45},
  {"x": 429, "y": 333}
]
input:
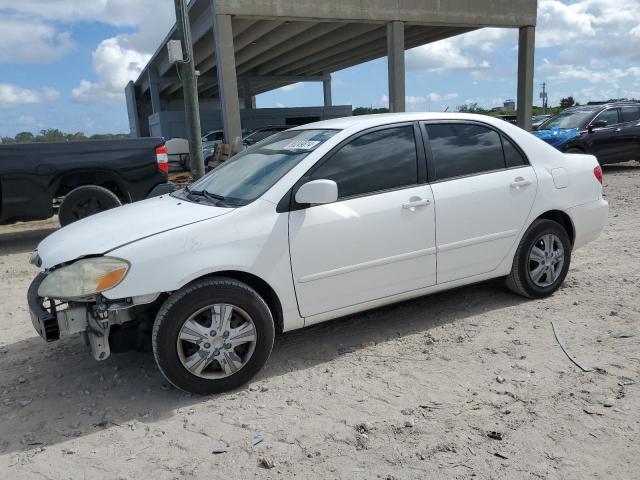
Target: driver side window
[{"x": 610, "y": 116}]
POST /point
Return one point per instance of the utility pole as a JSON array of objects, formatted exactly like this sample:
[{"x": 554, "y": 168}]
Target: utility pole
[
  {"x": 189, "y": 90},
  {"x": 543, "y": 96}
]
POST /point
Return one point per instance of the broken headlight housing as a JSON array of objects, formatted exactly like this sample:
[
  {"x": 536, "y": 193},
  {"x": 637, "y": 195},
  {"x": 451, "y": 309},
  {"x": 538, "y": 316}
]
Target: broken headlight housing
[{"x": 84, "y": 278}]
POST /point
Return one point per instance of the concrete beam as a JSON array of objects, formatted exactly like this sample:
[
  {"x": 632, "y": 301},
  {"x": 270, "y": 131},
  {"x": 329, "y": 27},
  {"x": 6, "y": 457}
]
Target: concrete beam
[
  {"x": 344, "y": 35},
  {"x": 154, "y": 89},
  {"x": 326, "y": 91},
  {"x": 470, "y": 13},
  {"x": 316, "y": 32},
  {"x": 227, "y": 79},
  {"x": 251, "y": 35},
  {"x": 526, "y": 50},
  {"x": 272, "y": 39},
  {"x": 395, "y": 56},
  {"x": 132, "y": 110},
  {"x": 374, "y": 33},
  {"x": 247, "y": 93}
]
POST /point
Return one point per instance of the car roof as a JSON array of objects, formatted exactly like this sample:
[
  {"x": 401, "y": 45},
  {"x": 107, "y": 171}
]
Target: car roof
[
  {"x": 362, "y": 122},
  {"x": 601, "y": 106}
]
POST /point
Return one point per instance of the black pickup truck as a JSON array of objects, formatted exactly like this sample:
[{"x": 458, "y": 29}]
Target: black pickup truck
[{"x": 78, "y": 179}]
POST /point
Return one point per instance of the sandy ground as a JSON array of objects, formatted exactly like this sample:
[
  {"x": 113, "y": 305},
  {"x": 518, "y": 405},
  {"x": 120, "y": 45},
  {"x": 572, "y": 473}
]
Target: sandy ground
[{"x": 403, "y": 392}]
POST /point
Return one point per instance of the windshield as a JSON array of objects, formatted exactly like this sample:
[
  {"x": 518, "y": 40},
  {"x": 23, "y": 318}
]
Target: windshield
[
  {"x": 574, "y": 119},
  {"x": 247, "y": 175}
]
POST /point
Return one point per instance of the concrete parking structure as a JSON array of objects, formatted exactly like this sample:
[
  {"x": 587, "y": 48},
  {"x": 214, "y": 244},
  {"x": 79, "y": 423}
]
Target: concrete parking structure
[{"x": 243, "y": 48}]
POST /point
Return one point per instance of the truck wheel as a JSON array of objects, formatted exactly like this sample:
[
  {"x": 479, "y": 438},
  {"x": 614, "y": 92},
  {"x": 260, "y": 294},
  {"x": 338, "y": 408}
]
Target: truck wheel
[
  {"x": 84, "y": 201},
  {"x": 212, "y": 336},
  {"x": 542, "y": 259}
]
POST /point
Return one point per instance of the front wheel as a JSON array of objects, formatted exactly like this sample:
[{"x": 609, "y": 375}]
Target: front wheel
[
  {"x": 542, "y": 260},
  {"x": 212, "y": 336}
]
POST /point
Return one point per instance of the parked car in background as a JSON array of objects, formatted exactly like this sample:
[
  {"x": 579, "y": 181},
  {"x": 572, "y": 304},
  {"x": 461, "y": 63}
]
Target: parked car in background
[
  {"x": 610, "y": 131},
  {"x": 537, "y": 120},
  {"x": 259, "y": 134},
  {"x": 78, "y": 179},
  {"x": 212, "y": 138},
  {"x": 320, "y": 221}
]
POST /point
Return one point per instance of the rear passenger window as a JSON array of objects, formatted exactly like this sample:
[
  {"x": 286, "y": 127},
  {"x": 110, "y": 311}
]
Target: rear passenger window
[
  {"x": 512, "y": 156},
  {"x": 630, "y": 114},
  {"x": 464, "y": 149},
  {"x": 380, "y": 160}
]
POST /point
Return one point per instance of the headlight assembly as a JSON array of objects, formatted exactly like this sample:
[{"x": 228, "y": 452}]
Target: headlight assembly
[{"x": 84, "y": 278}]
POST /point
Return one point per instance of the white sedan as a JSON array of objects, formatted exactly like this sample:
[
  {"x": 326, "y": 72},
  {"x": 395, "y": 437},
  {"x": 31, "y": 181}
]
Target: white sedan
[{"x": 314, "y": 223}]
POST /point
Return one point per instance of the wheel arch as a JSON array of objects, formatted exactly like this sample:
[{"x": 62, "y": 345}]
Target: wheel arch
[
  {"x": 103, "y": 178},
  {"x": 263, "y": 289},
  {"x": 563, "y": 219}
]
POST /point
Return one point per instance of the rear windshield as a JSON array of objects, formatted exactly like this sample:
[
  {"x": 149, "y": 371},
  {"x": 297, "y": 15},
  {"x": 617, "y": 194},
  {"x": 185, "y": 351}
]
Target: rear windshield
[{"x": 249, "y": 174}]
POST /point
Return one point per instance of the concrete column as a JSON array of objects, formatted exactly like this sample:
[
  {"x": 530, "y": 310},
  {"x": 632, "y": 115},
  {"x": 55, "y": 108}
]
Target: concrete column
[
  {"x": 326, "y": 90},
  {"x": 132, "y": 110},
  {"x": 247, "y": 94},
  {"x": 227, "y": 79},
  {"x": 154, "y": 90},
  {"x": 526, "y": 50},
  {"x": 395, "y": 54}
]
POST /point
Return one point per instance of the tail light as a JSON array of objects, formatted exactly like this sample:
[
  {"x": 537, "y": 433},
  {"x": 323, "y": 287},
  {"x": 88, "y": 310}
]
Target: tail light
[
  {"x": 162, "y": 159},
  {"x": 598, "y": 173}
]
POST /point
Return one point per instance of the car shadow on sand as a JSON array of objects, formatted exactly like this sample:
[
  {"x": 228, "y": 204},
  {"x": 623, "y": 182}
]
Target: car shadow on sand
[{"x": 51, "y": 393}]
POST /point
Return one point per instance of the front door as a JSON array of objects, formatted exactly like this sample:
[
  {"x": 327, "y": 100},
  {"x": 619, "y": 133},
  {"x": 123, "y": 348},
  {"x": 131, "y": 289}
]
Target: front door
[
  {"x": 606, "y": 142},
  {"x": 483, "y": 189},
  {"x": 378, "y": 239}
]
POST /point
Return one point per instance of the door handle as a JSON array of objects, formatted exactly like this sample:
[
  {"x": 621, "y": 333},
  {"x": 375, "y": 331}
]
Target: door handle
[
  {"x": 417, "y": 202},
  {"x": 520, "y": 182}
]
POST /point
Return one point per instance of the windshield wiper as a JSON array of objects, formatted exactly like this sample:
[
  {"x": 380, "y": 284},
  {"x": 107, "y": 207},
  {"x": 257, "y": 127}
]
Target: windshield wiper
[{"x": 205, "y": 194}]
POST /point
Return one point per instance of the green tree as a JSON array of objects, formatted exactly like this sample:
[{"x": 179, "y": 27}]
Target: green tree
[
  {"x": 369, "y": 110},
  {"x": 7, "y": 140},
  {"x": 24, "y": 137},
  {"x": 567, "y": 102},
  {"x": 471, "y": 108},
  {"x": 50, "y": 135}
]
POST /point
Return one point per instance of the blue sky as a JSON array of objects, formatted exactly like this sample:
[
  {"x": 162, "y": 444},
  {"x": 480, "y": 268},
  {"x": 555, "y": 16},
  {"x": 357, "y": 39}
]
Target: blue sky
[{"x": 64, "y": 63}]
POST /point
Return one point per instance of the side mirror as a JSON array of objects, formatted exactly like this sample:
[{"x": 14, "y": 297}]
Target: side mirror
[
  {"x": 597, "y": 124},
  {"x": 317, "y": 192}
]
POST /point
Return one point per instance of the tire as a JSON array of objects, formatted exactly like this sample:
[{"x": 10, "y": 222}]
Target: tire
[
  {"x": 84, "y": 201},
  {"x": 522, "y": 280},
  {"x": 193, "y": 305},
  {"x": 574, "y": 150}
]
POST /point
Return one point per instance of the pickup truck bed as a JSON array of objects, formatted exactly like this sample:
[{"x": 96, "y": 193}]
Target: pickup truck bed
[{"x": 35, "y": 178}]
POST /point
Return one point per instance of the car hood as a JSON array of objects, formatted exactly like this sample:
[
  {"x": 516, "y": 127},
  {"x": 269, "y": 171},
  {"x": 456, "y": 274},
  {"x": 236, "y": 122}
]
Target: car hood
[
  {"x": 557, "y": 137},
  {"x": 105, "y": 231}
]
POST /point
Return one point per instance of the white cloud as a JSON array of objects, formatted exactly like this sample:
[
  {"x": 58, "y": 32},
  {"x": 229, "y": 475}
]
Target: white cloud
[
  {"x": 440, "y": 56},
  {"x": 114, "y": 64},
  {"x": 14, "y": 95},
  {"x": 29, "y": 41},
  {"x": 420, "y": 103},
  {"x": 288, "y": 88}
]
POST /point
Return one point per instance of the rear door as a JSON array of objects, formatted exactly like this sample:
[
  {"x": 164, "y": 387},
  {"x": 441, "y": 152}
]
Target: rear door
[
  {"x": 378, "y": 238},
  {"x": 483, "y": 188},
  {"x": 630, "y": 132}
]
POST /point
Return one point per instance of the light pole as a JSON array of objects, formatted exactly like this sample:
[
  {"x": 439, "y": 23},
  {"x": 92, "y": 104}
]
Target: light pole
[{"x": 189, "y": 90}]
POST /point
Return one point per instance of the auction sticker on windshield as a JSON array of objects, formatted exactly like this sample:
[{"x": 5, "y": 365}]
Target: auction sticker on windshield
[{"x": 302, "y": 145}]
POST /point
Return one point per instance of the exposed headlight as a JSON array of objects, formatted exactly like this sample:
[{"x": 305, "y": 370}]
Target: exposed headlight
[{"x": 84, "y": 278}]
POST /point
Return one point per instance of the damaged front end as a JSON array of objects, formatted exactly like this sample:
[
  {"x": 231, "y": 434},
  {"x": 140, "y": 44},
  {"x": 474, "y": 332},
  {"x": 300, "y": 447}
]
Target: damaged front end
[{"x": 107, "y": 325}]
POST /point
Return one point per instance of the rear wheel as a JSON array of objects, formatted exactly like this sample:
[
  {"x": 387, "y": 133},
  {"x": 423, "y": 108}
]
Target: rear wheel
[
  {"x": 212, "y": 336},
  {"x": 85, "y": 201},
  {"x": 542, "y": 260}
]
